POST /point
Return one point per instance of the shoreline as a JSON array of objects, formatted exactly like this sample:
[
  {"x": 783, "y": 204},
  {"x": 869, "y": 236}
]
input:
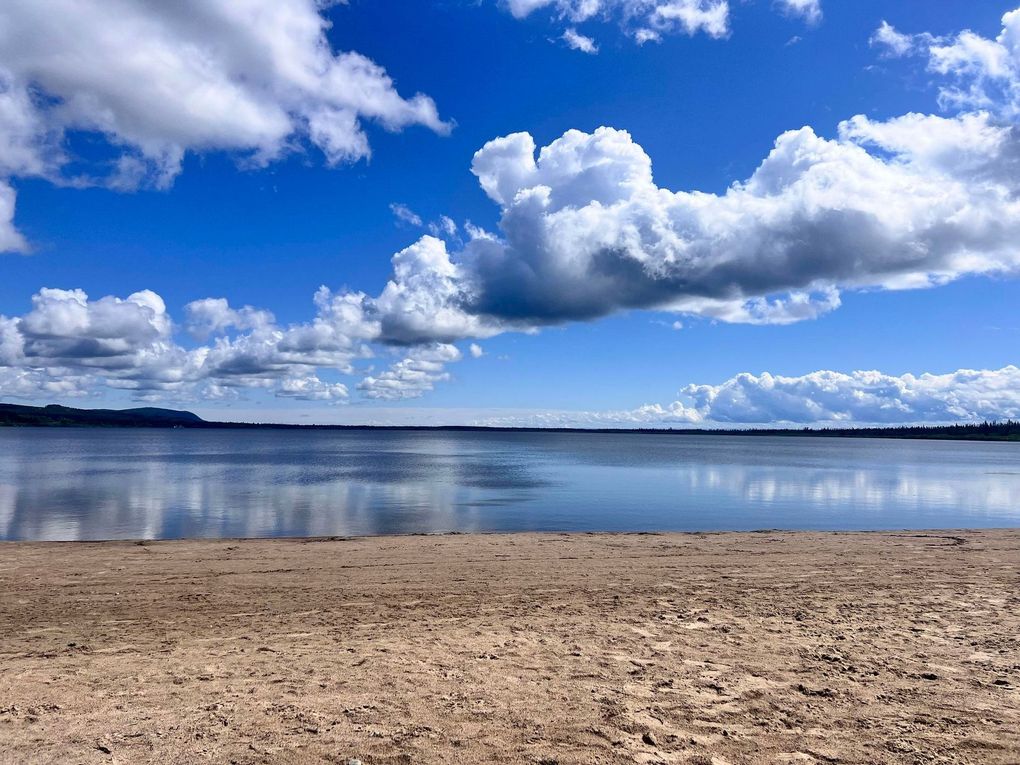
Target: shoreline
[
  {"x": 705, "y": 648},
  {"x": 145, "y": 541}
]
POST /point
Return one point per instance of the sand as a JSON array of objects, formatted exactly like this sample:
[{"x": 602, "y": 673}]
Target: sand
[{"x": 722, "y": 648}]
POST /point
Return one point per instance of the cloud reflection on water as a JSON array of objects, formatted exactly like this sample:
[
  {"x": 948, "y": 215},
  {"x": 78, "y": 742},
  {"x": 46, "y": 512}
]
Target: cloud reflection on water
[{"x": 87, "y": 484}]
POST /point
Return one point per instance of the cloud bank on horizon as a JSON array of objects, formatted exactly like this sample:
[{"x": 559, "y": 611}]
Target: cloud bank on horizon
[
  {"x": 915, "y": 201},
  {"x": 824, "y": 397}
]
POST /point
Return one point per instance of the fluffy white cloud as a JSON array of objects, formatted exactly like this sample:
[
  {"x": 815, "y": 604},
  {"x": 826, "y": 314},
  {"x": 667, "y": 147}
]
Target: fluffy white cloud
[
  {"x": 870, "y": 397},
  {"x": 415, "y": 374},
  {"x": 895, "y": 44},
  {"x": 311, "y": 388},
  {"x": 910, "y": 202},
  {"x": 70, "y": 345},
  {"x": 17, "y": 382},
  {"x": 256, "y": 77},
  {"x": 427, "y": 298},
  {"x": 64, "y": 329},
  {"x": 983, "y": 73},
  {"x": 818, "y": 398},
  {"x": 211, "y": 316}
]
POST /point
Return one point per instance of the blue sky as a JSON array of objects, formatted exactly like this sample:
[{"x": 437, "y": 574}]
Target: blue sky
[{"x": 264, "y": 221}]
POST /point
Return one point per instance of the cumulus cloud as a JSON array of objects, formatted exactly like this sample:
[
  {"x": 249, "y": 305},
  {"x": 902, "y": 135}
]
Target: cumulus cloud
[
  {"x": 71, "y": 345},
  {"x": 68, "y": 345},
  {"x": 211, "y": 316},
  {"x": 426, "y": 300},
  {"x": 64, "y": 328},
  {"x": 982, "y": 73},
  {"x": 869, "y": 397},
  {"x": 157, "y": 80},
  {"x": 415, "y": 374},
  {"x": 910, "y": 202},
  {"x": 311, "y": 388},
  {"x": 818, "y": 398}
]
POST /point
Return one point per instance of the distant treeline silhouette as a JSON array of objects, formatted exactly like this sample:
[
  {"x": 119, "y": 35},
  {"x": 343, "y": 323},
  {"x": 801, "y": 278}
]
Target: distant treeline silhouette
[{"x": 61, "y": 416}]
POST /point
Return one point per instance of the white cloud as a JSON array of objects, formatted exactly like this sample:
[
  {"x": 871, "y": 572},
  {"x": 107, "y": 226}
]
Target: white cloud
[
  {"x": 983, "y": 73},
  {"x": 11, "y": 240},
  {"x": 17, "y": 382},
  {"x": 413, "y": 375},
  {"x": 915, "y": 201},
  {"x": 311, "y": 388},
  {"x": 860, "y": 397},
  {"x": 211, "y": 316},
  {"x": 895, "y": 44},
  {"x": 158, "y": 80},
  {"x": 64, "y": 328},
  {"x": 642, "y": 18},
  {"x": 426, "y": 298},
  {"x": 818, "y": 398},
  {"x": 444, "y": 227},
  {"x": 70, "y": 345},
  {"x": 986, "y": 72},
  {"x": 649, "y": 20},
  {"x": 476, "y": 351},
  {"x": 578, "y": 41},
  {"x": 405, "y": 214},
  {"x": 809, "y": 10}
]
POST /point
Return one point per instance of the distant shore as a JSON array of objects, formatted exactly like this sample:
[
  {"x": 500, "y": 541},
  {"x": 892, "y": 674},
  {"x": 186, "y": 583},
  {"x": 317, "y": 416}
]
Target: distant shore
[
  {"x": 767, "y": 647},
  {"x": 17, "y": 415}
]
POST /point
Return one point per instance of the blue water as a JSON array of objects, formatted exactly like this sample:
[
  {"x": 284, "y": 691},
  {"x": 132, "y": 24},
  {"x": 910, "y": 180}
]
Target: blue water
[{"x": 164, "y": 484}]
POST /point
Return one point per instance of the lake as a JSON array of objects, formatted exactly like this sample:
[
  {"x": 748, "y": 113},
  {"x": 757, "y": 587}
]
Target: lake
[{"x": 68, "y": 484}]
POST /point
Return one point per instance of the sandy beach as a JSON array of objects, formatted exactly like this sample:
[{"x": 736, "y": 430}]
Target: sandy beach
[{"x": 766, "y": 647}]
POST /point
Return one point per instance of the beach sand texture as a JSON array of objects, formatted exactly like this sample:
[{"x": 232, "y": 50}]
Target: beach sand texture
[{"x": 768, "y": 647}]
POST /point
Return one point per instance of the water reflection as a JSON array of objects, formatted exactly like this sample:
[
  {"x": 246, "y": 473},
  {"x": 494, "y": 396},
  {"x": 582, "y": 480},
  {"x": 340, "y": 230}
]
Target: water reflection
[{"x": 95, "y": 484}]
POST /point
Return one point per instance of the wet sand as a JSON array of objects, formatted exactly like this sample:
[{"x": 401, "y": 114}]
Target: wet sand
[{"x": 535, "y": 648}]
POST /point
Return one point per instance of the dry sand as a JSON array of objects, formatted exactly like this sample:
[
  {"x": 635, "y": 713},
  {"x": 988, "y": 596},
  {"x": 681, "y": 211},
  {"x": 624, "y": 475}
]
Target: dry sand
[{"x": 723, "y": 648}]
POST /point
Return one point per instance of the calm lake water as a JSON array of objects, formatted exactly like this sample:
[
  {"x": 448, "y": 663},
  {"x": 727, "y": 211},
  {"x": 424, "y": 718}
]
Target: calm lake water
[{"x": 129, "y": 484}]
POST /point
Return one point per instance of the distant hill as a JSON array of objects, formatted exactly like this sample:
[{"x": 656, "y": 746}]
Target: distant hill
[
  {"x": 150, "y": 417},
  {"x": 144, "y": 417}
]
